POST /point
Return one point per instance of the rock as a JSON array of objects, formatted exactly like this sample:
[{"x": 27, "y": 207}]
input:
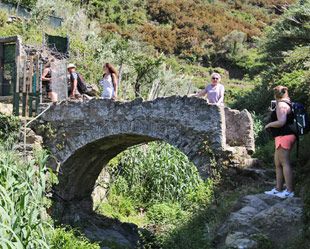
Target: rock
[
  {"x": 252, "y": 163},
  {"x": 101, "y": 187},
  {"x": 281, "y": 222},
  {"x": 21, "y": 148},
  {"x": 31, "y": 137},
  {"x": 93, "y": 233},
  {"x": 124, "y": 234},
  {"x": 240, "y": 240},
  {"x": 278, "y": 220},
  {"x": 256, "y": 174},
  {"x": 92, "y": 90},
  {"x": 255, "y": 202},
  {"x": 6, "y": 108},
  {"x": 53, "y": 164},
  {"x": 9, "y": 20},
  {"x": 241, "y": 220},
  {"x": 239, "y": 129}
]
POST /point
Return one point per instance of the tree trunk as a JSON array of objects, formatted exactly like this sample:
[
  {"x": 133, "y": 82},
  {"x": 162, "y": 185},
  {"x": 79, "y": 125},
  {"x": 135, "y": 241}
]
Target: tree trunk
[
  {"x": 120, "y": 75},
  {"x": 137, "y": 89},
  {"x": 18, "y": 3}
]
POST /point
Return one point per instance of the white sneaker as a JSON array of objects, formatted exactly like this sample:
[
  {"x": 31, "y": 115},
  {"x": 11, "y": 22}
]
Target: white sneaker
[
  {"x": 273, "y": 192},
  {"x": 285, "y": 194}
]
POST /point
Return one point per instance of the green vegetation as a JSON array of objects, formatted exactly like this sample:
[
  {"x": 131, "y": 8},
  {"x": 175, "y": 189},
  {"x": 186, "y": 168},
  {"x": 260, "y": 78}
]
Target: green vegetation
[
  {"x": 9, "y": 129},
  {"x": 68, "y": 239},
  {"x": 172, "y": 45},
  {"x": 24, "y": 222},
  {"x": 221, "y": 34},
  {"x": 159, "y": 179},
  {"x": 22, "y": 203},
  {"x": 156, "y": 187}
]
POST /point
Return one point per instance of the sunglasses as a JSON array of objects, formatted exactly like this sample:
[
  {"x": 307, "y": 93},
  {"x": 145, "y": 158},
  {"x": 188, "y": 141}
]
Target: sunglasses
[{"x": 215, "y": 78}]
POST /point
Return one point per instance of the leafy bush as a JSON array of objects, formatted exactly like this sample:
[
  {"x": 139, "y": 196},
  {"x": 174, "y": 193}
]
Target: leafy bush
[
  {"x": 260, "y": 135},
  {"x": 27, "y": 3},
  {"x": 9, "y": 128},
  {"x": 297, "y": 83},
  {"x": 22, "y": 220},
  {"x": 164, "y": 213},
  {"x": 64, "y": 238},
  {"x": 290, "y": 30},
  {"x": 3, "y": 18}
]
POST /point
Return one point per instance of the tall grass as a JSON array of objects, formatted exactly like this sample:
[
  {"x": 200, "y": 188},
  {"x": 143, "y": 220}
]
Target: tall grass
[
  {"x": 22, "y": 214},
  {"x": 158, "y": 188},
  {"x": 159, "y": 172},
  {"x": 23, "y": 220}
]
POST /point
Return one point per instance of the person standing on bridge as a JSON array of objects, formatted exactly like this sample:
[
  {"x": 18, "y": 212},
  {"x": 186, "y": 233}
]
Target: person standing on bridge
[
  {"x": 49, "y": 69},
  {"x": 215, "y": 90},
  {"x": 109, "y": 82},
  {"x": 73, "y": 92}
]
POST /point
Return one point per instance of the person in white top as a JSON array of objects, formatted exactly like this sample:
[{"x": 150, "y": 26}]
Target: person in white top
[
  {"x": 108, "y": 83},
  {"x": 215, "y": 90}
]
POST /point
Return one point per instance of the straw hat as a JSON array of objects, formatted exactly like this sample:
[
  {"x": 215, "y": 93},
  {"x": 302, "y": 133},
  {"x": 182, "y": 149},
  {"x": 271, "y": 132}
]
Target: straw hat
[{"x": 70, "y": 65}]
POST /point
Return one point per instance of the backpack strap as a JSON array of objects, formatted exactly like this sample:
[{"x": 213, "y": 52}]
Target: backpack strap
[
  {"x": 297, "y": 135},
  {"x": 113, "y": 83},
  {"x": 287, "y": 102}
]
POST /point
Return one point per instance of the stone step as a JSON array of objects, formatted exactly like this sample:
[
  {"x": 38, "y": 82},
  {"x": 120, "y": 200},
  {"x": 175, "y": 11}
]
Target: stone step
[
  {"x": 31, "y": 137},
  {"x": 277, "y": 219},
  {"x": 20, "y": 147},
  {"x": 252, "y": 163},
  {"x": 238, "y": 150},
  {"x": 266, "y": 174}
]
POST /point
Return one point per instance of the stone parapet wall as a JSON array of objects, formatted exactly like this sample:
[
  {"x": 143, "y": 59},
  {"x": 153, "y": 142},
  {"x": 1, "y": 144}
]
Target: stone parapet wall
[{"x": 239, "y": 129}]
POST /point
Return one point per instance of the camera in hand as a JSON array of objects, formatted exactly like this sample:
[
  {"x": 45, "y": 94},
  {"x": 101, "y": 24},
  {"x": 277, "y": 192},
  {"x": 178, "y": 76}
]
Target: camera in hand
[{"x": 273, "y": 104}]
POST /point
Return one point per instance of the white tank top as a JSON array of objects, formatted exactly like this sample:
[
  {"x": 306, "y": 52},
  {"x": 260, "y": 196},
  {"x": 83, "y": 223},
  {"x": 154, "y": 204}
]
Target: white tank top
[{"x": 108, "y": 89}]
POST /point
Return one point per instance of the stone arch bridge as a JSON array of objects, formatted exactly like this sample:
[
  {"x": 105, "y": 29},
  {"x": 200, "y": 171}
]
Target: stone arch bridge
[{"x": 85, "y": 136}]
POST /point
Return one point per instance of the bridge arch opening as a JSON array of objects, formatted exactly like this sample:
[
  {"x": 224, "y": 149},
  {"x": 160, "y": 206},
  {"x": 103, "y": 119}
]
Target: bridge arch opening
[
  {"x": 148, "y": 174},
  {"x": 79, "y": 173}
]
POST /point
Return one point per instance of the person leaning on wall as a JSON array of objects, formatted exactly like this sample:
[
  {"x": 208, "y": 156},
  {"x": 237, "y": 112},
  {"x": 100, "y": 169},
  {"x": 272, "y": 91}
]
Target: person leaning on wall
[
  {"x": 49, "y": 68},
  {"x": 215, "y": 91},
  {"x": 281, "y": 118},
  {"x": 73, "y": 92}
]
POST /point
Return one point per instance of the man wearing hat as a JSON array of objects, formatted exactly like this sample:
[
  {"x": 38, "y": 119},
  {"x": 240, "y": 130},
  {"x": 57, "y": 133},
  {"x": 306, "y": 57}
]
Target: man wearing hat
[{"x": 74, "y": 92}]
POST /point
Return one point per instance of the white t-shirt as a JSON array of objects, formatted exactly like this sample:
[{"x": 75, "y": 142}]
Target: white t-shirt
[{"x": 108, "y": 88}]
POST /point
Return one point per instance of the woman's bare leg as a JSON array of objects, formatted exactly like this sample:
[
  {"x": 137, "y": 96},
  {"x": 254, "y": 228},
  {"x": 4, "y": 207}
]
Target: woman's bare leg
[
  {"x": 284, "y": 157},
  {"x": 279, "y": 170}
]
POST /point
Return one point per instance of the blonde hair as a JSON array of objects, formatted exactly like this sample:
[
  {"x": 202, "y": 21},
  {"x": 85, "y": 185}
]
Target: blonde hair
[
  {"x": 280, "y": 92},
  {"x": 215, "y": 74}
]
